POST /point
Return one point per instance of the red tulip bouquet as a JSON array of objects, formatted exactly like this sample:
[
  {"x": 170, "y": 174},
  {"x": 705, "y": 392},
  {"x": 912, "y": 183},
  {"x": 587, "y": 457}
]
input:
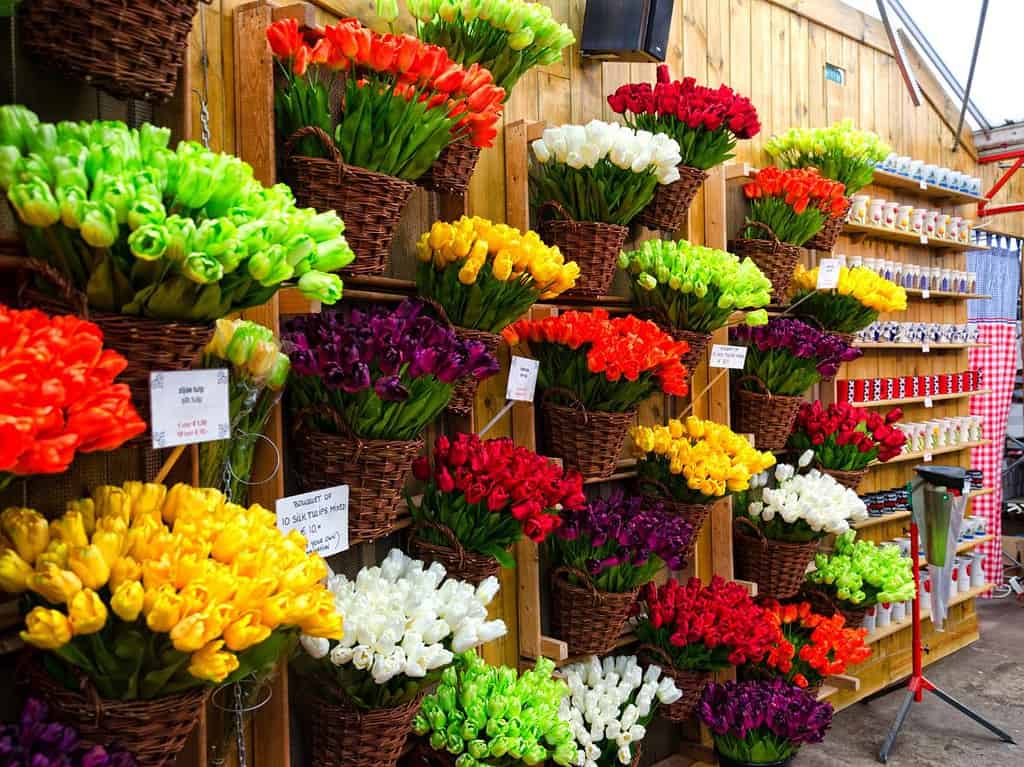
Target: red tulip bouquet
[
  {"x": 57, "y": 394},
  {"x": 486, "y": 495},
  {"x": 793, "y": 203},
  {"x": 845, "y": 438}
]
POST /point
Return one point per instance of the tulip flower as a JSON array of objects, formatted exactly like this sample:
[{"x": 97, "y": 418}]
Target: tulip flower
[
  {"x": 34, "y": 203},
  {"x": 14, "y": 572},
  {"x": 27, "y": 530},
  {"x": 46, "y": 629},
  {"x": 127, "y": 600},
  {"x": 37, "y": 741},
  {"x": 838, "y": 152},
  {"x": 794, "y": 204},
  {"x": 211, "y": 663},
  {"x": 89, "y": 564},
  {"x": 856, "y": 302},
  {"x": 87, "y": 612}
]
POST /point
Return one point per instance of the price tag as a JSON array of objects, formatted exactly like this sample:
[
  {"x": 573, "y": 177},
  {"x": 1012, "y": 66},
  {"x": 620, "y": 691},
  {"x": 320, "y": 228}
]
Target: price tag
[
  {"x": 927, "y": 457},
  {"x": 925, "y": 348},
  {"x": 924, "y": 239},
  {"x": 828, "y": 273},
  {"x": 922, "y": 184},
  {"x": 926, "y": 294},
  {"x": 732, "y": 357},
  {"x": 928, "y": 402},
  {"x": 189, "y": 406},
  {"x": 321, "y": 516},
  {"x": 522, "y": 379}
]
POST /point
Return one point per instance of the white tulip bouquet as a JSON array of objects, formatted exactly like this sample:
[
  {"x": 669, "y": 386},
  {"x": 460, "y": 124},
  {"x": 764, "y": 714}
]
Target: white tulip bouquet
[
  {"x": 601, "y": 171},
  {"x": 610, "y": 704},
  {"x": 403, "y": 625}
]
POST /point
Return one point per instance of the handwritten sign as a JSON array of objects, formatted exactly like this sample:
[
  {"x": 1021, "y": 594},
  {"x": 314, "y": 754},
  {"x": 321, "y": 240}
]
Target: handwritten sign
[
  {"x": 189, "y": 406},
  {"x": 522, "y": 379},
  {"x": 828, "y": 274},
  {"x": 321, "y": 516},
  {"x": 732, "y": 357}
]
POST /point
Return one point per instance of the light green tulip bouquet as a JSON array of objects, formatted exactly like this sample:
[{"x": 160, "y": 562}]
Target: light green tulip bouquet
[
  {"x": 863, "y": 573},
  {"x": 140, "y": 229}
]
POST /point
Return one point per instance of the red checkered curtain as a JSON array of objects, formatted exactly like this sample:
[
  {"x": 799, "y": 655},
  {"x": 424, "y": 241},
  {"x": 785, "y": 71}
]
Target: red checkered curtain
[{"x": 998, "y": 365}]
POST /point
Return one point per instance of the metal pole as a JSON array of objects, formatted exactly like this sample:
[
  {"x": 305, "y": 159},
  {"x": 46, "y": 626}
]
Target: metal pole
[{"x": 970, "y": 76}]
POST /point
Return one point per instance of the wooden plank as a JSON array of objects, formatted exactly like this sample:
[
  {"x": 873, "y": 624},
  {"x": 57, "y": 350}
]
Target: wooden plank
[
  {"x": 254, "y": 85},
  {"x": 517, "y": 187},
  {"x": 842, "y": 18}
]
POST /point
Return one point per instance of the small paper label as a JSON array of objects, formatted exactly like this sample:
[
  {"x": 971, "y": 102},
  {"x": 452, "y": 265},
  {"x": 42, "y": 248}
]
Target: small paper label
[
  {"x": 828, "y": 273},
  {"x": 924, "y": 239},
  {"x": 522, "y": 379},
  {"x": 926, "y": 294},
  {"x": 928, "y": 402},
  {"x": 732, "y": 357},
  {"x": 925, "y": 348},
  {"x": 923, "y": 185},
  {"x": 927, "y": 457},
  {"x": 189, "y": 406},
  {"x": 321, "y": 516}
]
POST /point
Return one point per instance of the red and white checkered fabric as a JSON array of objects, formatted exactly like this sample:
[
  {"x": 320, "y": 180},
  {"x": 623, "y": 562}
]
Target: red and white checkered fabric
[{"x": 998, "y": 363}]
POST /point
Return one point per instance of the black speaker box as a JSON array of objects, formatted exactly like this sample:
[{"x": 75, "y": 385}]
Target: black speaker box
[{"x": 627, "y": 30}]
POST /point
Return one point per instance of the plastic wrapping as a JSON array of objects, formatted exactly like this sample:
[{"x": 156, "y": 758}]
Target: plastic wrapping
[{"x": 938, "y": 514}]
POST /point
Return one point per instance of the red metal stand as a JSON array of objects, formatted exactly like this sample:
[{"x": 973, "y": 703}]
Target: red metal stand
[{"x": 983, "y": 206}]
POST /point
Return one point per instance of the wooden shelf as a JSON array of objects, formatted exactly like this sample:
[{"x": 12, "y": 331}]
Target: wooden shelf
[
  {"x": 909, "y": 238},
  {"x": 892, "y": 180},
  {"x": 899, "y": 516},
  {"x": 914, "y": 400},
  {"x": 357, "y": 288},
  {"x": 907, "y": 622},
  {"x": 937, "y": 451},
  {"x": 946, "y": 295},
  {"x": 919, "y": 347}
]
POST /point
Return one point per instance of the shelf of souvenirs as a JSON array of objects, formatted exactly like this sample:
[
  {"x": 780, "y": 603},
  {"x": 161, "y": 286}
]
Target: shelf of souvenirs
[
  {"x": 924, "y": 347},
  {"x": 894, "y": 628},
  {"x": 926, "y": 455},
  {"x": 892, "y": 180},
  {"x": 907, "y": 237},
  {"x": 923, "y": 400},
  {"x": 945, "y": 295},
  {"x": 899, "y": 516}
]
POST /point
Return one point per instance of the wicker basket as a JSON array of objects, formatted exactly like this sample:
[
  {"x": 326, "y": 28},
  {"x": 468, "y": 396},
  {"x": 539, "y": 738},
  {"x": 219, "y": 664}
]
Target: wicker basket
[
  {"x": 594, "y": 246},
  {"x": 778, "y": 568},
  {"x": 369, "y": 203},
  {"x": 346, "y": 736},
  {"x": 690, "y": 683},
  {"x": 775, "y": 258},
  {"x": 769, "y": 417},
  {"x": 375, "y": 471},
  {"x": 694, "y": 513},
  {"x": 698, "y": 342},
  {"x": 458, "y": 563},
  {"x": 452, "y": 170},
  {"x": 671, "y": 202},
  {"x": 825, "y": 240},
  {"x": 588, "y": 620},
  {"x": 825, "y": 604},
  {"x": 153, "y": 730},
  {"x": 850, "y": 479},
  {"x": 131, "y": 50},
  {"x": 464, "y": 394},
  {"x": 589, "y": 441}
]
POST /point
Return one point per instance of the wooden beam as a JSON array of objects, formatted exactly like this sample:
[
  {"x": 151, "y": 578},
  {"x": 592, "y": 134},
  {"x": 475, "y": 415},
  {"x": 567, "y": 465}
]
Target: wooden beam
[
  {"x": 517, "y": 184},
  {"x": 841, "y": 18},
  {"x": 304, "y": 13},
  {"x": 254, "y": 90}
]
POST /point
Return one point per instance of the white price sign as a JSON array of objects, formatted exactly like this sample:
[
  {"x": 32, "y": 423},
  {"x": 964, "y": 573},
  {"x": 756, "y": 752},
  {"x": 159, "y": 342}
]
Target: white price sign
[
  {"x": 828, "y": 273},
  {"x": 732, "y": 357},
  {"x": 925, "y": 348},
  {"x": 522, "y": 379},
  {"x": 926, "y": 294},
  {"x": 923, "y": 184},
  {"x": 924, "y": 239},
  {"x": 927, "y": 457},
  {"x": 321, "y": 516},
  {"x": 189, "y": 406},
  {"x": 928, "y": 402}
]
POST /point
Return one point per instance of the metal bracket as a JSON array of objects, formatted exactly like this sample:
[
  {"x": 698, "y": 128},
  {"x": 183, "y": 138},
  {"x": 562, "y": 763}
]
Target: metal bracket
[{"x": 983, "y": 207}]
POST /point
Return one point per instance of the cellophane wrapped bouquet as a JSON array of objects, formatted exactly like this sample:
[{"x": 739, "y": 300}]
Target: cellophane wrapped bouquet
[
  {"x": 59, "y": 395},
  {"x": 490, "y": 715},
  {"x": 258, "y": 371},
  {"x": 864, "y": 573},
  {"x": 690, "y": 287},
  {"x": 846, "y": 438},
  {"x": 859, "y": 297},
  {"x": 149, "y": 591},
  {"x": 37, "y": 741},
  {"x": 839, "y": 152},
  {"x": 793, "y": 203},
  {"x": 486, "y": 275},
  {"x": 185, "y": 234}
]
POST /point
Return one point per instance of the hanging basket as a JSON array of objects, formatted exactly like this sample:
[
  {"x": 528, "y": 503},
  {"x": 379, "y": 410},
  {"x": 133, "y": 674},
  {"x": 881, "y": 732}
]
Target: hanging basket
[
  {"x": 154, "y": 731},
  {"x": 671, "y": 201},
  {"x": 458, "y": 563},
  {"x": 774, "y": 258},
  {"x": 130, "y": 50},
  {"x": 346, "y": 736},
  {"x": 769, "y": 417},
  {"x": 698, "y": 342},
  {"x": 375, "y": 471},
  {"x": 452, "y": 170},
  {"x": 593, "y": 245},
  {"x": 588, "y": 620},
  {"x": 690, "y": 683},
  {"x": 826, "y": 604},
  {"x": 825, "y": 240},
  {"x": 369, "y": 203},
  {"x": 850, "y": 479},
  {"x": 464, "y": 393},
  {"x": 777, "y": 567},
  {"x": 589, "y": 441}
]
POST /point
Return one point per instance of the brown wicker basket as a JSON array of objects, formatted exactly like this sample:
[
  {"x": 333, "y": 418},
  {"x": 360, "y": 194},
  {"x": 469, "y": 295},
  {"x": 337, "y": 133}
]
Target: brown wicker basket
[
  {"x": 671, "y": 202},
  {"x": 774, "y": 258},
  {"x": 694, "y": 513},
  {"x": 769, "y": 417},
  {"x": 369, "y": 203},
  {"x": 375, "y": 471},
  {"x": 698, "y": 342},
  {"x": 588, "y": 620},
  {"x": 825, "y": 604},
  {"x": 850, "y": 479},
  {"x": 589, "y": 441},
  {"x": 346, "y": 736},
  {"x": 690, "y": 683},
  {"x": 825, "y": 240},
  {"x": 131, "y": 50},
  {"x": 153, "y": 730},
  {"x": 458, "y": 563},
  {"x": 594, "y": 246},
  {"x": 452, "y": 170},
  {"x": 778, "y": 568},
  {"x": 464, "y": 394}
]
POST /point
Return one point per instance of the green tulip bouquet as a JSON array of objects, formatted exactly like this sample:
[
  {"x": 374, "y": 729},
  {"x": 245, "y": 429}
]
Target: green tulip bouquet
[
  {"x": 690, "y": 287},
  {"x": 140, "y": 229},
  {"x": 258, "y": 373},
  {"x": 863, "y": 573},
  {"x": 839, "y": 152},
  {"x": 495, "y": 716}
]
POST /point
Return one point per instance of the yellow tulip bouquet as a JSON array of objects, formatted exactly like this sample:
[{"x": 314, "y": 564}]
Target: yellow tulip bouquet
[
  {"x": 695, "y": 461},
  {"x": 485, "y": 275},
  {"x": 149, "y": 591},
  {"x": 858, "y": 299}
]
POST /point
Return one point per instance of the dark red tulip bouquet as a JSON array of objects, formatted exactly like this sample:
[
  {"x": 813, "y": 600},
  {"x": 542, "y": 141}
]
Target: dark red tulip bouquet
[{"x": 846, "y": 438}]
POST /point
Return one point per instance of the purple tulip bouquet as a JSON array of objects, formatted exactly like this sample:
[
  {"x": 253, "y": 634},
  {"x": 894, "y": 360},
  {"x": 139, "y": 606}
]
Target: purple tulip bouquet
[
  {"x": 385, "y": 373},
  {"x": 762, "y": 722},
  {"x": 789, "y": 356},
  {"x": 35, "y": 741}
]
